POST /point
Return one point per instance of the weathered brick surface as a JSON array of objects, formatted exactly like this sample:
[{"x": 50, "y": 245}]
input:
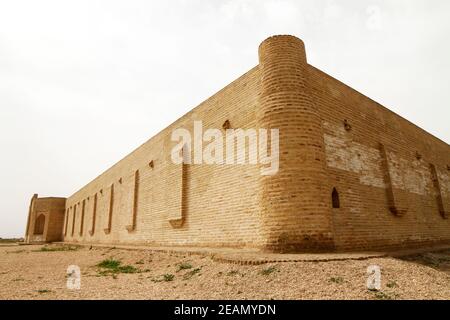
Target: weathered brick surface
[
  {"x": 392, "y": 177},
  {"x": 218, "y": 204},
  {"x": 356, "y": 168},
  {"x": 53, "y": 211},
  {"x": 294, "y": 203}
]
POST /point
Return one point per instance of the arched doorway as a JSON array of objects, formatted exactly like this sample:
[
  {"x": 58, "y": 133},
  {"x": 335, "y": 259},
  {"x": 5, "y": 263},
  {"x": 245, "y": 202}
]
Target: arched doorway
[{"x": 39, "y": 224}]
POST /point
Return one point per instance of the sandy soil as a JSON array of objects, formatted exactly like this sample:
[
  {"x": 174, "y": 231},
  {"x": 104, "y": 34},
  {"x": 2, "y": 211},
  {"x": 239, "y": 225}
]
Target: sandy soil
[{"x": 27, "y": 272}]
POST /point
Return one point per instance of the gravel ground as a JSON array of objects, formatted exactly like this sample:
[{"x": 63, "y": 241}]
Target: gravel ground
[{"x": 27, "y": 272}]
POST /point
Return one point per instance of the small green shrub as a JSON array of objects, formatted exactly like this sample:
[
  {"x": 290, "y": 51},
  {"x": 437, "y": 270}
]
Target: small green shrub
[
  {"x": 111, "y": 266},
  {"x": 337, "y": 280},
  {"x": 267, "y": 271},
  {"x": 184, "y": 266},
  {"x": 168, "y": 277},
  {"x": 391, "y": 284},
  {"x": 192, "y": 273},
  {"x": 165, "y": 277},
  {"x": 43, "y": 291},
  {"x": 380, "y": 295},
  {"x": 128, "y": 269}
]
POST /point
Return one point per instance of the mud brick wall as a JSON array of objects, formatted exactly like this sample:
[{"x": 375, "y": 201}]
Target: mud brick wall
[
  {"x": 51, "y": 212},
  {"x": 382, "y": 167},
  {"x": 353, "y": 175},
  {"x": 295, "y": 214},
  {"x": 195, "y": 205}
]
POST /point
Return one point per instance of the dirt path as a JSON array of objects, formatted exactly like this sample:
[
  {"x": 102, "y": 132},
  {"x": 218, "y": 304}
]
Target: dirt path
[{"x": 28, "y": 272}]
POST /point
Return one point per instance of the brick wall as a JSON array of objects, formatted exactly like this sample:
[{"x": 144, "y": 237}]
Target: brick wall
[
  {"x": 198, "y": 205},
  {"x": 392, "y": 178},
  {"x": 52, "y": 209},
  {"x": 377, "y": 160},
  {"x": 295, "y": 213}
]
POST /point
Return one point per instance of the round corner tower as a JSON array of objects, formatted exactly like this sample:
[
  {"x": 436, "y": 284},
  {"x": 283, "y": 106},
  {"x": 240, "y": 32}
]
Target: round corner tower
[{"x": 295, "y": 212}]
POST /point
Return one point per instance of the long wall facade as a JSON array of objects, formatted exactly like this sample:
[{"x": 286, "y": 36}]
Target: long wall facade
[
  {"x": 196, "y": 205},
  {"x": 353, "y": 175}
]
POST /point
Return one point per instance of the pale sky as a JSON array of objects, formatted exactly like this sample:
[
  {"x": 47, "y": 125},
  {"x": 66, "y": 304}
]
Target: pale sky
[{"x": 83, "y": 83}]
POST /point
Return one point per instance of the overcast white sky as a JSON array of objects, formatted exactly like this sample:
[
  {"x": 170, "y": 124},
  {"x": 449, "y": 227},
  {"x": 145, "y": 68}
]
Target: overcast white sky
[{"x": 83, "y": 83}]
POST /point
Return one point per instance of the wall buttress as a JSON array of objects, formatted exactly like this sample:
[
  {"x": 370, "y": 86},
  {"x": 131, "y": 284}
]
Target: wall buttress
[{"x": 397, "y": 198}]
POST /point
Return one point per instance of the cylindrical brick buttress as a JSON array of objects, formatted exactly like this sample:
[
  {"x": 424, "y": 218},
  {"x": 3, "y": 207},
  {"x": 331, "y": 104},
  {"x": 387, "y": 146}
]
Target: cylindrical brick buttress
[{"x": 295, "y": 212}]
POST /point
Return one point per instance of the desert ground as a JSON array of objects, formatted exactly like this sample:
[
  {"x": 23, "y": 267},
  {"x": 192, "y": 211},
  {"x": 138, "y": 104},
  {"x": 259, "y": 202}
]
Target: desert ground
[{"x": 40, "y": 272}]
